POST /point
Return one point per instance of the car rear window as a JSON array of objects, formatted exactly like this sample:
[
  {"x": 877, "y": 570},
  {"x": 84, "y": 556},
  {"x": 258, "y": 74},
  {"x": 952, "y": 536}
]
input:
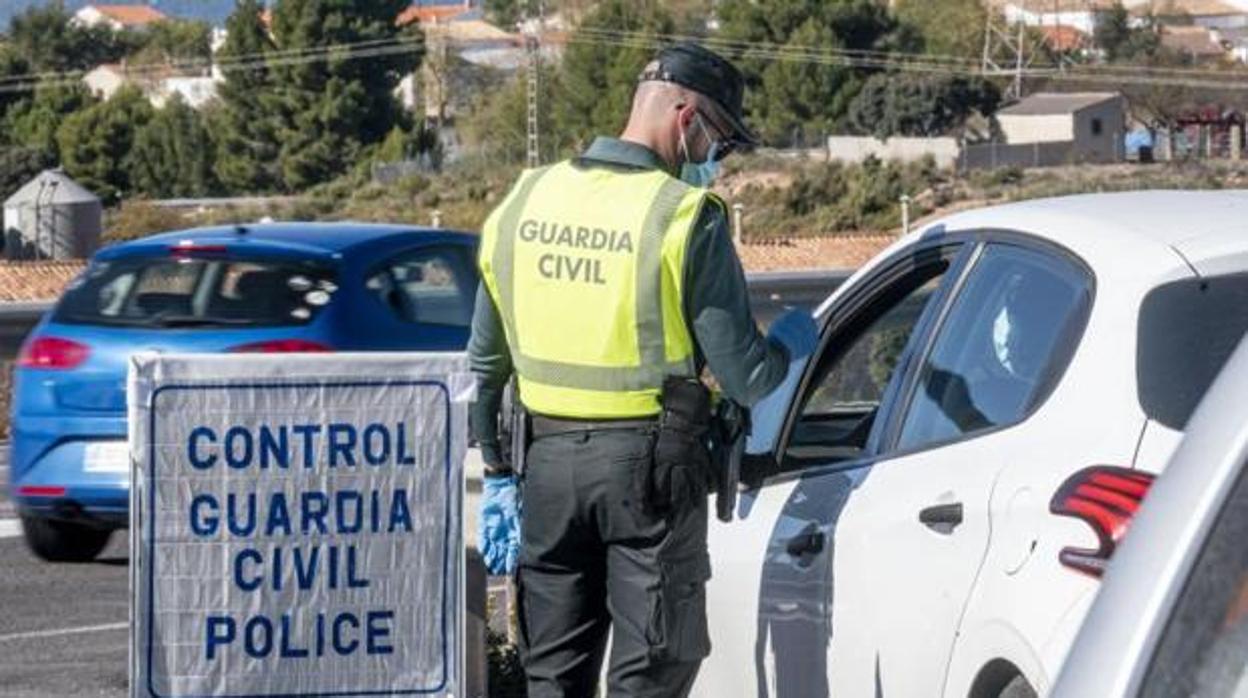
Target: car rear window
[
  {"x": 1187, "y": 331},
  {"x": 194, "y": 292}
]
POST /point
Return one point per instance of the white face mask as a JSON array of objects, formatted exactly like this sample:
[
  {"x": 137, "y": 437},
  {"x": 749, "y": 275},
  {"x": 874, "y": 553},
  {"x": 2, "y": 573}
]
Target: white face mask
[{"x": 699, "y": 174}]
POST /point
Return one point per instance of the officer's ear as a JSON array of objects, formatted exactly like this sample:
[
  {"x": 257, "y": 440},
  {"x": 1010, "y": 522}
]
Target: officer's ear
[{"x": 686, "y": 112}]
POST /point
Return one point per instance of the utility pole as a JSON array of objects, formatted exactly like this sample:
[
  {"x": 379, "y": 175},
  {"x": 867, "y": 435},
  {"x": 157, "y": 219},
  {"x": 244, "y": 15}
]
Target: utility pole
[
  {"x": 534, "y": 18},
  {"x": 1006, "y": 52}
]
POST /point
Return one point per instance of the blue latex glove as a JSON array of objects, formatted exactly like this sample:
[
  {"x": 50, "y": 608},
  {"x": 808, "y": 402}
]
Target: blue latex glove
[
  {"x": 795, "y": 331},
  {"x": 499, "y": 534}
]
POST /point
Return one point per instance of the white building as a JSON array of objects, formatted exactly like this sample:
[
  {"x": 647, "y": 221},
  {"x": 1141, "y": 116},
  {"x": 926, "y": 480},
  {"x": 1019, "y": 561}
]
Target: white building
[
  {"x": 1093, "y": 121},
  {"x": 1079, "y": 14},
  {"x": 195, "y": 90},
  {"x": 1210, "y": 14},
  {"x": 118, "y": 17},
  {"x": 104, "y": 80}
]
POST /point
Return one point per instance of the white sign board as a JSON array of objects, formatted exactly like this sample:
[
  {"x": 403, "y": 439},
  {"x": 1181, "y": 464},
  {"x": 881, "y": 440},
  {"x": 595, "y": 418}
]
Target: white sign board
[{"x": 295, "y": 524}]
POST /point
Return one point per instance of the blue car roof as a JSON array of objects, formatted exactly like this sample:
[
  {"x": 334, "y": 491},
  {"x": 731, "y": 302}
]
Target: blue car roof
[{"x": 303, "y": 239}]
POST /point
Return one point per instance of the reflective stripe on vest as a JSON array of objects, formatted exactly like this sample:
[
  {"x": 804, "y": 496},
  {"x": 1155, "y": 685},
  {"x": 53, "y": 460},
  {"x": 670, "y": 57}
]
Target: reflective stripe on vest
[{"x": 586, "y": 268}]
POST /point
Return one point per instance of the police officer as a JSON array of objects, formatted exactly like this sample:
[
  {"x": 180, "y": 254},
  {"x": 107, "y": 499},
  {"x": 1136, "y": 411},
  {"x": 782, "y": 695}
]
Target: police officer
[{"x": 609, "y": 282}]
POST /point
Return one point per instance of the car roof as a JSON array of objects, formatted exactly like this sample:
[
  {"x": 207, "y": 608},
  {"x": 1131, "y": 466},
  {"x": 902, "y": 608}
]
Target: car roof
[
  {"x": 306, "y": 238},
  {"x": 1089, "y": 222}
]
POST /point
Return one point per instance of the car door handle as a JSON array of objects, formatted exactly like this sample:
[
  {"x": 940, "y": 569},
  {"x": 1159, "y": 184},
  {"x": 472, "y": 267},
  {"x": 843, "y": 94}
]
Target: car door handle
[
  {"x": 942, "y": 518},
  {"x": 808, "y": 542}
]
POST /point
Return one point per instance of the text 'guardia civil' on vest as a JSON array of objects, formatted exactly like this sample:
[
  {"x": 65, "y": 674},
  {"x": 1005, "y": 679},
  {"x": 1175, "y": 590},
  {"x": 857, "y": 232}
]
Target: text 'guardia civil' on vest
[{"x": 563, "y": 267}]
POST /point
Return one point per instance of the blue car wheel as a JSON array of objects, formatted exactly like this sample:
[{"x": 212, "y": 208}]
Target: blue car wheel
[{"x": 62, "y": 541}]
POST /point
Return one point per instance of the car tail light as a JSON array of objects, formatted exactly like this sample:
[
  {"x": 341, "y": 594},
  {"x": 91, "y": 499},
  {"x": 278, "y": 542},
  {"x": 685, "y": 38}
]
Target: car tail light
[
  {"x": 1106, "y": 498},
  {"x": 40, "y": 491},
  {"x": 281, "y": 346},
  {"x": 53, "y": 352}
]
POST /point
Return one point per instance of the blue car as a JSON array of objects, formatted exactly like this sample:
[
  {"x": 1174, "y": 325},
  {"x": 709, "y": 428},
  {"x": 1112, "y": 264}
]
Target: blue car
[{"x": 289, "y": 287}]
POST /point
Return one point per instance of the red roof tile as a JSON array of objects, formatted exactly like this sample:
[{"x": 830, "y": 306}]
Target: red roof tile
[
  {"x": 36, "y": 281},
  {"x": 1063, "y": 38},
  {"x": 829, "y": 252},
  {"x": 426, "y": 15},
  {"x": 131, "y": 15}
]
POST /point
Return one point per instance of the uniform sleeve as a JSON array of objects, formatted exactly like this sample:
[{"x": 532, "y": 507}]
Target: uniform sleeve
[
  {"x": 746, "y": 365},
  {"x": 490, "y": 360}
]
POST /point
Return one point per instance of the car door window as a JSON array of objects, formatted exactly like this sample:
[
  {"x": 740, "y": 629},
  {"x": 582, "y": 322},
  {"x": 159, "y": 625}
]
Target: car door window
[
  {"x": 1012, "y": 327},
  {"x": 430, "y": 286},
  {"x": 854, "y": 372}
]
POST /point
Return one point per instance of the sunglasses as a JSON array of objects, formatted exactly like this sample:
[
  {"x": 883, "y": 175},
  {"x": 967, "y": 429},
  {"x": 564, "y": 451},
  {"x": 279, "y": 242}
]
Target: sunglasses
[{"x": 726, "y": 143}]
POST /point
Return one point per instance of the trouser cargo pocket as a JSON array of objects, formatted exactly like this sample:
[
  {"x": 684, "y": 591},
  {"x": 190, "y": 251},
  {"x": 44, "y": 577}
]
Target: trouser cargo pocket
[{"x": 677, "y": 630}]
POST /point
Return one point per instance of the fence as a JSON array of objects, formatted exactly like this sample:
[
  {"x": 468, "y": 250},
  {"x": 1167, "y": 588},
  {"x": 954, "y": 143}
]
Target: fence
[{"x": 1054, "y": 154}]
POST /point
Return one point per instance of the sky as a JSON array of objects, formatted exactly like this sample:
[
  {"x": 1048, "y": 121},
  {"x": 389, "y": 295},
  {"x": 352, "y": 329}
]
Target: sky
[{"x": 212, "y": 11}]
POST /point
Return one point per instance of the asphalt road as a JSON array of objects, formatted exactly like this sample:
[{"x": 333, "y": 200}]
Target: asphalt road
[{"x": 62, "y": 627}]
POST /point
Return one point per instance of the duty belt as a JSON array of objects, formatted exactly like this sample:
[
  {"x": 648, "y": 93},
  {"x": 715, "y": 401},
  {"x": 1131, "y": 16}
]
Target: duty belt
[{"x": 553, "y": 426}]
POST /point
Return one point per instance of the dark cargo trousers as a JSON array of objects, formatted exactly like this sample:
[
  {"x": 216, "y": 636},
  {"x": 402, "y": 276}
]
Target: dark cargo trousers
[{"x": 593, "y": 560}]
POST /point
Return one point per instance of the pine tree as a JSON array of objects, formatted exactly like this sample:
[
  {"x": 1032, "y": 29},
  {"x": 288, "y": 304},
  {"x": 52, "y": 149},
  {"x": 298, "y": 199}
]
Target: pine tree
[
  {"x": 33, "y": 122},
  {"x": 598, "y": 79},
  {"x": 245, "y": 122},
  {"x": 12, "y": 66},
  {"x": 171, "y": 156},
  {"x": 794, "y": 100},
  {"x": 329, "y": 110},
  {"x": 97, "y": 143}
]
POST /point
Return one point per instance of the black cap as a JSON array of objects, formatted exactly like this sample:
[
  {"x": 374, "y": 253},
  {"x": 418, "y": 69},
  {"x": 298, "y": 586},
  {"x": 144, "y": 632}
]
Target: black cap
[{"x": 689, "y": 65}]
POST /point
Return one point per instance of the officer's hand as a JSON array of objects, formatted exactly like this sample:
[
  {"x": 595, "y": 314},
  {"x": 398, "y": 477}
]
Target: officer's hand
[
  {"x": 795, "y": 331},
  {"x": 499, "y": 524}
]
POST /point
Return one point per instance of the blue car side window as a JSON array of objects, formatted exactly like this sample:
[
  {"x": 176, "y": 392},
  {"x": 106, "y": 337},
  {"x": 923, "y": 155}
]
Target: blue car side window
[{"x": 432, "y": 286}]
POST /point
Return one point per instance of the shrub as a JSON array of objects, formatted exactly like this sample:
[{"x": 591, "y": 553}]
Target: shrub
[{"x": 138, "y": 218}]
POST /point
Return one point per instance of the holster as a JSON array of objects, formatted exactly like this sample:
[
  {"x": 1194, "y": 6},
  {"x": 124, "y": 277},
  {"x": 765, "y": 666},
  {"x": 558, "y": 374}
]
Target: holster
[
  {"x": 729, "y": 432},
  {"x": 521, "y": 431},
  {"x": 680, "y": 472},
  {"x": 514, "y": 430}
]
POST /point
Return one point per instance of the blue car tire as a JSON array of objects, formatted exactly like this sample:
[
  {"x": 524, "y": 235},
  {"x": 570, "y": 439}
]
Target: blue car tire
[{"x": 62, "y": 541}]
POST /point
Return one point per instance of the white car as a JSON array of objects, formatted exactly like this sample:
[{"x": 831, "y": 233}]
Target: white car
[
  {"x": 934, "y": 493},
  {"x": 1172, "y": 619}
]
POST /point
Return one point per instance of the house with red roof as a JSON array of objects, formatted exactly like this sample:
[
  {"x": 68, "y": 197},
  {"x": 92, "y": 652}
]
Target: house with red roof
[{"x": 118, "y": 17}]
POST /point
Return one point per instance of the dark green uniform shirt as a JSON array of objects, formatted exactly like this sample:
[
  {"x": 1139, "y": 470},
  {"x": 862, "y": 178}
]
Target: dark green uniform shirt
[{"x": 717, "y": 303}]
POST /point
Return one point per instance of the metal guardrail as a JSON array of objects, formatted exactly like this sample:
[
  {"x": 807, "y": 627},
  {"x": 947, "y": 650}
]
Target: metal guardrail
[
  {"x": 16, "y": 321},
  {"x": 771, "y": 293}
]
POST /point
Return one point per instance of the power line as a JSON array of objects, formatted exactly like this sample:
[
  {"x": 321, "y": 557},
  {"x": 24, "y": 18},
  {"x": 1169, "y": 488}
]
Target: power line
[{"x": 815, "y": 55}]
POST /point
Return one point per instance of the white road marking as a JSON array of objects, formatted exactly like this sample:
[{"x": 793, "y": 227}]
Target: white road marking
[
  {"x": 10, "y": 528},
  {"x": 64, "y": 631}
]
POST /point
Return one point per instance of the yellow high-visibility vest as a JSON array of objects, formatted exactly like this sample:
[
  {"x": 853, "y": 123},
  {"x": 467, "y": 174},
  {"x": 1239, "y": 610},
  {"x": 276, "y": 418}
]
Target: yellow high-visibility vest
[{"x": 586, "y": 267}]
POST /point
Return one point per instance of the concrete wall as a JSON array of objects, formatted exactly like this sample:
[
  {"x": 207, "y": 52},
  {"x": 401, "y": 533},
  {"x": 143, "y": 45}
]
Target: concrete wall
[
  {"x": 856, "y": 149},
  {"x": 1036, "y": 128}
]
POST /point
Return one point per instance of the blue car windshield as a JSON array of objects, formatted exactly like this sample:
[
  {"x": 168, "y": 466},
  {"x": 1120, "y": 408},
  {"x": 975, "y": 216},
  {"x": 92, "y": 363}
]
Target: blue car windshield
[{"x": 198, "y": 292}]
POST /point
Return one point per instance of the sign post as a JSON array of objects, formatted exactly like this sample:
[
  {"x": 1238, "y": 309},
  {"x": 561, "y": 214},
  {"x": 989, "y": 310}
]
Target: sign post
[{"x": 295, "y": 525}]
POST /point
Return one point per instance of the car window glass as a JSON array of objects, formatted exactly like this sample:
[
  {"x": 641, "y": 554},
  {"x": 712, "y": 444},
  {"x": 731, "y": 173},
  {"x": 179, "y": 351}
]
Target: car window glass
[
  {"x": 1202, "y": 649},
  {"x": 1187, "y": 330},
  {"x": 431, "y": 286},
  {"x": 198, "y": 292},
  {"x": 850, "y": 381},
  {"x": 997, "y": 347}
]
